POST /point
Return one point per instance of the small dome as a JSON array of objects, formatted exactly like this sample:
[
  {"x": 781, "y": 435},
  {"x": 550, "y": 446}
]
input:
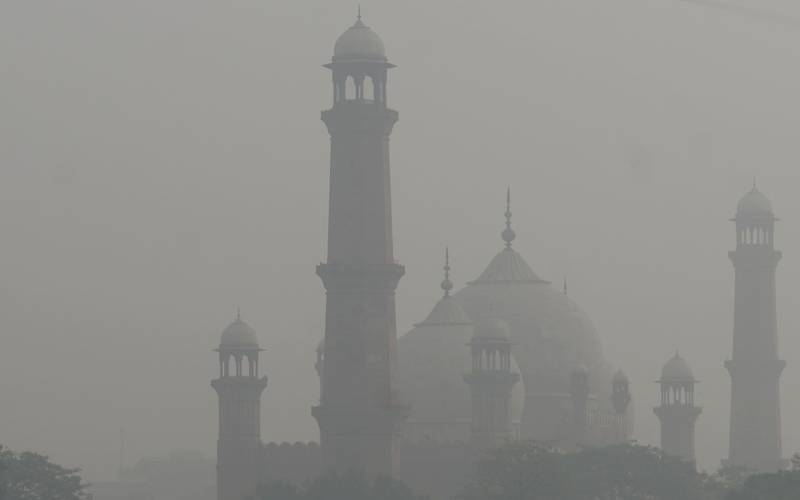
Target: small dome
[
  {"x": 359, "y": 43},
  {"x": 239, "y": 335},
  {"x": 754, "y": 203},
  {"x": 619, "y": 378},
  {"x": 677, "y": 370},
  {"x": 491, "y": 329}
]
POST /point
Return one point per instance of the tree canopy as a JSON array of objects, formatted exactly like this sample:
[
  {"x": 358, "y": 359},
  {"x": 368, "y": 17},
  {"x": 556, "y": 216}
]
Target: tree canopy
[
  {"x": 30, "y": 476},
  {"x": 784, "y": 485},
  {"x": 338, "y": 487},
  {"x": 532, "y": 471}
]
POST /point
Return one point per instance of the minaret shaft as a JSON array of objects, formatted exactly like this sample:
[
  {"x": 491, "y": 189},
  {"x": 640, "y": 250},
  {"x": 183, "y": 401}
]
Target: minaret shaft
[{"x": 360, "y": 214}]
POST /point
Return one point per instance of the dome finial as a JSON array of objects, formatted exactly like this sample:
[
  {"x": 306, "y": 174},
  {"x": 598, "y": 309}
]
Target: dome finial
[
  {"x": 359, "y": 12},
  {"x": 447, "y": 285},
  {"x": 754, "y": 184},
  {"x": 565, "y": 284},
  {"x": 238, "y": 313},
  {"x": 508, "y": 234}
]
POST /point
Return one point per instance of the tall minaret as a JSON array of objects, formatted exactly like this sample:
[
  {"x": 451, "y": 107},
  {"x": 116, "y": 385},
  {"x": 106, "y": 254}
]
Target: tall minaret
[
  {"x": 490, "y": 382},
  {"x": 359, "y": 416},
  {"x": 239, "y": 388},
  {"x": 755, "y": 369},
  {"x": 677, "y": 411}
]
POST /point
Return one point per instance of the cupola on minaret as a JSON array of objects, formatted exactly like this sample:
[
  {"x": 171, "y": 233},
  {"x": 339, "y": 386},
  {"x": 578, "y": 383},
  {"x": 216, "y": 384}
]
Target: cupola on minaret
[
  {"x": 239, "y": 388},
  {"x": 359, "y": 416},
  {"x": 490, "y": 382},
  {"x": 755, "y": 368},
  {"x": 677, "y": 411}
]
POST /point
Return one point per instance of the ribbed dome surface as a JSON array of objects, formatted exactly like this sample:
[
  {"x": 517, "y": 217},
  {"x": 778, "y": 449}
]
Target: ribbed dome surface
[
  {"x": 491, "y": 329},
  {"x": 239, "y": 335},
  {"x": 677, "y": 370},
  {"x": 359, "y": 42},
  {"x": 508, "y": 266},
  {"x": 446, "y": 312},
  {"x": 754, "y": 203}
]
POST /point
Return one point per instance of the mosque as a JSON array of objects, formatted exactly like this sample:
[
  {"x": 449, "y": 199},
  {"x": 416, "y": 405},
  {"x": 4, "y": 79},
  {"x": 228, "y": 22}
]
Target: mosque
[{"x": 509, "y": 356}]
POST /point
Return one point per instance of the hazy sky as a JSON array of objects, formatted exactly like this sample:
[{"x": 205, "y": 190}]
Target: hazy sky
[{"x": 162, "y": 161}]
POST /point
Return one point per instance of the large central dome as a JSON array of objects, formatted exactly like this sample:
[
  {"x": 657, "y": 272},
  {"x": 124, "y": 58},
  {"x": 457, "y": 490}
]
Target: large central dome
[{"x": 552, "y": 336}]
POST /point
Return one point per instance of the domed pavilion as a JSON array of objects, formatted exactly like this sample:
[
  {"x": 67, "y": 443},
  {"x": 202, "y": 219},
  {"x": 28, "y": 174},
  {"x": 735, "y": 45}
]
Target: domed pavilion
[{"x": 551, "y": 335}]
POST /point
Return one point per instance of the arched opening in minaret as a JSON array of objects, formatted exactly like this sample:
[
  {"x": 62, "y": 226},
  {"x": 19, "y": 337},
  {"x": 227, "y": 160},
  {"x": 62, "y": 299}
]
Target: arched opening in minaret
[
  {"x": 369, "y": 89},
  {"x": 349, "y": 88},
  {"x": 228, "y": 366}
]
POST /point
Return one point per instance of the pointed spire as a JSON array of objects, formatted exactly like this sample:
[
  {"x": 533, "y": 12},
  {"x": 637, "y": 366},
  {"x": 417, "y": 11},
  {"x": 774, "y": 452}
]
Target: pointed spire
[
  {"x": 359, "y": 23},
  {"x": 447, "y": 285},
  {"x": 565, "y": 284},
  {"x": 508, "y": 234},
  {"x": 238, "y": 314}
]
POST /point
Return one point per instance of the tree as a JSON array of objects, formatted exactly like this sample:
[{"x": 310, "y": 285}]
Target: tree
[
  {"x": 732, "y": 477},
  {"x": 632, "y": 472},
  {"x": 532, "y": 471},
  {"x": 30, "y": 476},
  {"x": 784, "y": 485},
  {"x": 519, "y": 471},
  {"x": 338, "y": 487}
]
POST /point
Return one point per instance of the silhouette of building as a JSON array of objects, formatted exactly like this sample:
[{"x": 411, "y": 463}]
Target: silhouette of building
[
  {"x": 508, "y": 356},
  {"x": 677, "y": 412},
  {"x": 239, "y": 388},
  {"x": 359, "y": 416},
  {"x": 755, "y": 368},
  {"x": 490, "y": 382}
]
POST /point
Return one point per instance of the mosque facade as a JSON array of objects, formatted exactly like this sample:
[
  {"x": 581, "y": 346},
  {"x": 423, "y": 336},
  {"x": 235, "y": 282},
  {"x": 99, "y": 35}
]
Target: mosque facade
[{"x": 509, "y": 356}]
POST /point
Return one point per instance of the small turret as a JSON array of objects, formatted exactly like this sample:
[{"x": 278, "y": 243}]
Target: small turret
[
  {"x": 677, "y": 411},
  {"x": 491, "y": 381},
  {"x": 239, "y": 388}
]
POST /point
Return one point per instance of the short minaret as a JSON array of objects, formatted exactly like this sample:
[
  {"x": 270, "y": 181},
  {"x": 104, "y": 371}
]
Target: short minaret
[
  {"x": 620, "y": 400},
  {"x": 239, "y": 388},
  {"x": 359, "y": 416},
  {"x": 677, "y": 411},
  {"x": 755, "y": 369},
  {"x": 579, "y": 391},
  {"x": 491, "y": 381}
]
